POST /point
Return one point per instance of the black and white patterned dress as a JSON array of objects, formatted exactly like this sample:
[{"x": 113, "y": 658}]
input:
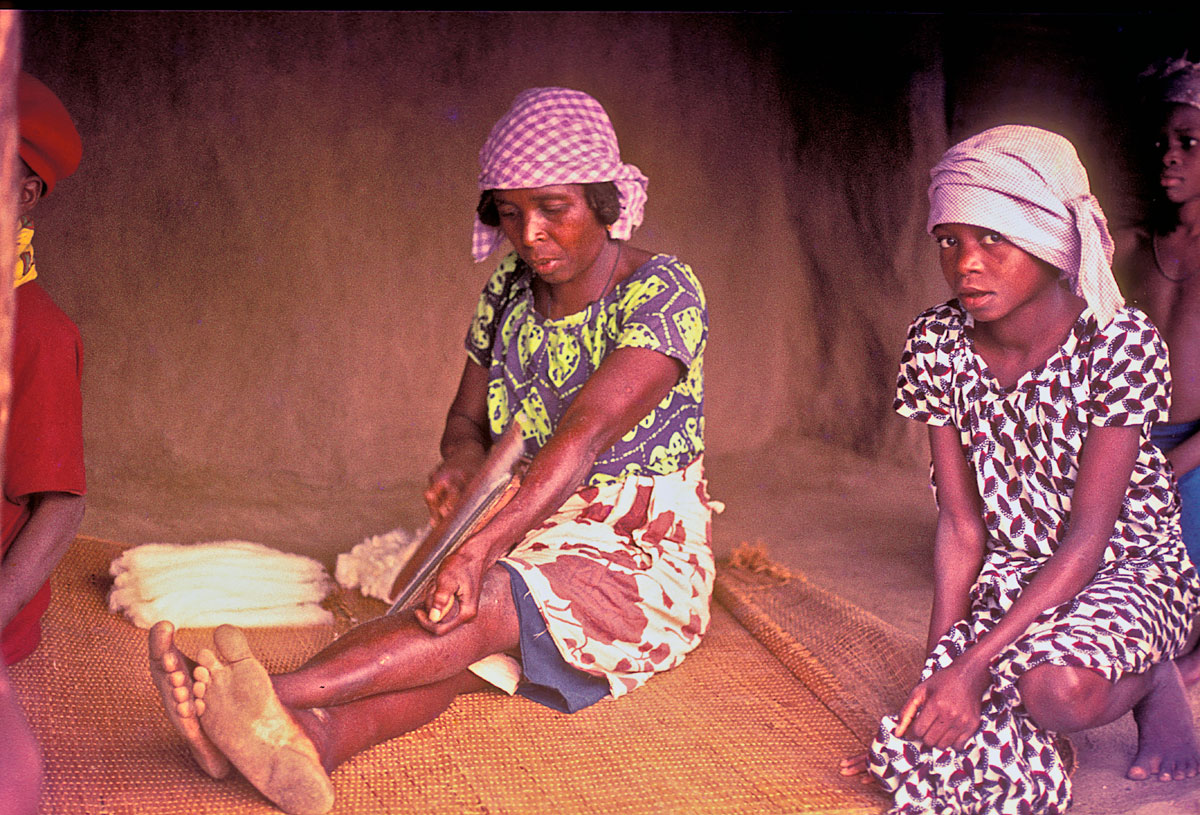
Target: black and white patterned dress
[{"x": 1023, "y": 443}]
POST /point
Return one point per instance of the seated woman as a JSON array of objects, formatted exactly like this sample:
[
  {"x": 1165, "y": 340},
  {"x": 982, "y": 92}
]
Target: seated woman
[
  {"x": 605, "y": 546},
  {"x": 1062, "y": 590}
]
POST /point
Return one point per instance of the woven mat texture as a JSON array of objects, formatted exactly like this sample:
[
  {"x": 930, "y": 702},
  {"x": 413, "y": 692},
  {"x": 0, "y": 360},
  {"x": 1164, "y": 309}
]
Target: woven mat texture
[
  {"x": 859, "y": 665},
  {"x": 729, "y": 731}
]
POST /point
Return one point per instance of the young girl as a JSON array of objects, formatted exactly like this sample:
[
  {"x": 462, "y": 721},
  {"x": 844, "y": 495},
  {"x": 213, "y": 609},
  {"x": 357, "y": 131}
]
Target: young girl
[
  {"x": 1062, "y": 589},
  {"x": 1159, "y": 265}
]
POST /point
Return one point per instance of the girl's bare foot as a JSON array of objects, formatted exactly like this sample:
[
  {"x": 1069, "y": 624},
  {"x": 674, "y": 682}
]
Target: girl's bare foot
[
  {"x": 245, "y": 719},
  {"x": 1167, "y": 747},
  {"x": 169, "y": 670}
]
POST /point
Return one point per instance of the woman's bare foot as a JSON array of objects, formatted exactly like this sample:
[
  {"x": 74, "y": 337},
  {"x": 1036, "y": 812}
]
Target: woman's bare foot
[
  {"x": 169, "y": 669},
  {"x": 245, "y": 719},
  {"x": 1167, "y": 747}
]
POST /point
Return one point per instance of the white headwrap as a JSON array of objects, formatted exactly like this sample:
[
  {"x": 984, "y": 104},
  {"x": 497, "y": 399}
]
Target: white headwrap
[
  {"x": 556, "y": 136},
  {"x": 1028, "y": 185}
]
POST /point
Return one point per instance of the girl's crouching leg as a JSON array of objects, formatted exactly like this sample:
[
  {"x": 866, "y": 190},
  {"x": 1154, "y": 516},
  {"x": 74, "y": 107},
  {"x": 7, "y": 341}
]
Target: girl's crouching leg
[{"x": 1066, "y": 699}]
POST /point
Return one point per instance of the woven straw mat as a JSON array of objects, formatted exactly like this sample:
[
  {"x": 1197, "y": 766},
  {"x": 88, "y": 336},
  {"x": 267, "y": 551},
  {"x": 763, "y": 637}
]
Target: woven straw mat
[
  {"x": 860, "y": 666},
  {"x": 731, "y": 730}
]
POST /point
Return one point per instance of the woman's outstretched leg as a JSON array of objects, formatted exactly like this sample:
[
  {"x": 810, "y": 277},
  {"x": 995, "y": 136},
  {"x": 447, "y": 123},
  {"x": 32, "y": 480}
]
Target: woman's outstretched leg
[
  {"x": 1066, "y": 699},
  {"x": 284, "y": 733},
  {"x": 395, "y": 653},
  {"x": 171, "y": 673},
  {"x": 286, "y": 753}
]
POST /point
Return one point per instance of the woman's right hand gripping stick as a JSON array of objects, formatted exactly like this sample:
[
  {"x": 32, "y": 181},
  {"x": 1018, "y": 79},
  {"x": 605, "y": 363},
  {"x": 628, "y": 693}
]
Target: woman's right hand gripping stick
[{"x": 453, "y": 596}]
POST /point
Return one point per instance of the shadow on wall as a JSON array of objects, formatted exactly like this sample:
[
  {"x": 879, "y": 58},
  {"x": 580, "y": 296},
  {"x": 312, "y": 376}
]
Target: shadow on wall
[{"x": 266, "y": 247}]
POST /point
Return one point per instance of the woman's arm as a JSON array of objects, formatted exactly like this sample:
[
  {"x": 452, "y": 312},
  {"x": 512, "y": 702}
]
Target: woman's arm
[
  {"x": 629, "y": 383},
  {"x": 960, "y": 540},
  {"x": 465, "y": 442},
  {"x": 959, "y": 546},
  {"x": 949, "y": 701}
]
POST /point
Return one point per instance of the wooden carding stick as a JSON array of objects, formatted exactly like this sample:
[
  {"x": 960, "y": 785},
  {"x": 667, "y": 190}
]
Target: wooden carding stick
[{"x": 491, "y": 488}]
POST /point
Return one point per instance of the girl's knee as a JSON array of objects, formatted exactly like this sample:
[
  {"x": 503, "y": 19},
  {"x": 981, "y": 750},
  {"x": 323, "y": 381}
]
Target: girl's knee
[{"x": 1064, "y": 699}]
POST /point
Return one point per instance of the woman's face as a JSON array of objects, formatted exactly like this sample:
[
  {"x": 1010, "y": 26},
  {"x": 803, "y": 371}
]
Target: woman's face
[
  {"x": 1179, "y": 149},
  {"x": 990, "y": 276},
  {"x": 553, "y": 230}
]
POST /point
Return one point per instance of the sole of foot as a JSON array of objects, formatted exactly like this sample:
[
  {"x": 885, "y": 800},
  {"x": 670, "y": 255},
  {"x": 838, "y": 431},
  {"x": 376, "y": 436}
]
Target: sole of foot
[
  {"x": 171, "y": 673},
  {"x": 245, "y": 719}
]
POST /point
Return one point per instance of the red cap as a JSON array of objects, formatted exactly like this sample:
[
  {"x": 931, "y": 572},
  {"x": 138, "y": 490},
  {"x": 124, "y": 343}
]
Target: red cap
[{"x": 50, "y": 144}]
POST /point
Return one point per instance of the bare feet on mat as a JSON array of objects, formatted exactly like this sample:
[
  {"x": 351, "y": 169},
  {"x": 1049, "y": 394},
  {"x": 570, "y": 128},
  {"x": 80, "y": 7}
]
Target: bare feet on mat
[
  {"x": 1167, "y": 747},
  {"x": 170, "y": 671},
  {"x": 245, "y": 719},
  {"x": 856, "y": 765}
]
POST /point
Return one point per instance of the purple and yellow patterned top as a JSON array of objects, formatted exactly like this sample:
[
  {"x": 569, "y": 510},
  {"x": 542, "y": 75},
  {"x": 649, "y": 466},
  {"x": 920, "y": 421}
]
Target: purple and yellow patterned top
[{"x": 538, "y": 364}]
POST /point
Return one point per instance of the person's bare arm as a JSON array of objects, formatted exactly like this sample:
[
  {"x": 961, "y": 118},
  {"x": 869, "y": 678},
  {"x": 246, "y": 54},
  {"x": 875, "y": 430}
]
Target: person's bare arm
[
  {"x": 38, "y": 548},
  {"x": 959, "y": 545},
  {"x": 20, "y": 759},
  {"x": 465, "y": 442},
  {"x": 960, "y": 539},
  {"x": 627, "y": 385},
  {"x": 944, "y": 710}
]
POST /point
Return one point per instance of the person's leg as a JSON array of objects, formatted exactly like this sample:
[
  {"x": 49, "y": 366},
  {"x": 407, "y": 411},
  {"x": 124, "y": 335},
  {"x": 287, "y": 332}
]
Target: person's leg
[
  {"x": 373, "y": 656},
  {"x": 394, "y": 652},
  {"x": 1067, "y": 699},
  {"x": 1189, "y": 521},
  {"x": 288, "y": 753},
  {"x": 342, "y": 731},
  {"x": 20, "y": 758}
]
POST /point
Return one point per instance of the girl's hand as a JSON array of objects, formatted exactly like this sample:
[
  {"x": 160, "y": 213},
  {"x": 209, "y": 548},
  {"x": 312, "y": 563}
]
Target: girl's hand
[
  {"x": 945, "y": 709},
  {"x": 447, "y": 482},
  {"x": 453, "y": 596}
]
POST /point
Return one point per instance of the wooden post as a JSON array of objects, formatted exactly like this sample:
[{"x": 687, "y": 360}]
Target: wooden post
[
  {"x": 20, "y": 761},
  {"x": 10, "y": 66}
]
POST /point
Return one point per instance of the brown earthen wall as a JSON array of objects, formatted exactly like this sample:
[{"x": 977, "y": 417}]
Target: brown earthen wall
[{"x": 266, "y": 247}]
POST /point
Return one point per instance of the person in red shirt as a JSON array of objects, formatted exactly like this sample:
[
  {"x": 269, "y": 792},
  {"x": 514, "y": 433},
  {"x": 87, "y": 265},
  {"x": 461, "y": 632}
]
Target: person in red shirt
[{"x": 43, "y": 480}]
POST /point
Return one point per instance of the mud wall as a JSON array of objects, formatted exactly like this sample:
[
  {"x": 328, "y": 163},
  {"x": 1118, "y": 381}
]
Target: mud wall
[{"x": 266, "y": 247}]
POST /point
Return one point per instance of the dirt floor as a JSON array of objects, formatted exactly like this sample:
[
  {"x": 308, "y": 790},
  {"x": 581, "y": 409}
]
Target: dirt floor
[{"x": 859, "y": 528}]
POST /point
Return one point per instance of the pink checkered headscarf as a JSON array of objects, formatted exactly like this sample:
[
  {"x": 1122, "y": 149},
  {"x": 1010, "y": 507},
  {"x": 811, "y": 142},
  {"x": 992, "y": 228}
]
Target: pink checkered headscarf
[
  {"x": 556, "y": 136},
  {"x": 1028, "y": 185}
]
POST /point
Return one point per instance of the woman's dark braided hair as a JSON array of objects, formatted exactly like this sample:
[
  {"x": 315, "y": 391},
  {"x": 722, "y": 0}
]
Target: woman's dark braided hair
[{"x": 602, "y": 197}]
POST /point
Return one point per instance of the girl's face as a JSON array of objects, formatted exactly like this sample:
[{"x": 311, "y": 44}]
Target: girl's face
[
  {"x": 991, "y": 277},
  {"x": 1179, "y": 149},
  {"x": 553, "y": 230}
]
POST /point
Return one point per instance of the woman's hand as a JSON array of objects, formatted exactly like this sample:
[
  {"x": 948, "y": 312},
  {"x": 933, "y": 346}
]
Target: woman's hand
[
  {"x": 447, "y": 482},
  {"x": 945, "y": 709},
  {"x": 453, "y": 595}
]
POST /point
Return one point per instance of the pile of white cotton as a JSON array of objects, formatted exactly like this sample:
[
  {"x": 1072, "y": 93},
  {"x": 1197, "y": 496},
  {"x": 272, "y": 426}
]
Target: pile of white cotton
[
  {"x": 207, "y": 584},
  {"x": 372, "y": 566}
]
